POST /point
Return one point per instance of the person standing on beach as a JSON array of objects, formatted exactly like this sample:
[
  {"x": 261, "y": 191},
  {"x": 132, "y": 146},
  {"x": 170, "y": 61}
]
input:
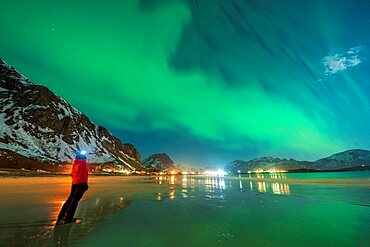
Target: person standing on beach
[{"x": 79, "y": 186}]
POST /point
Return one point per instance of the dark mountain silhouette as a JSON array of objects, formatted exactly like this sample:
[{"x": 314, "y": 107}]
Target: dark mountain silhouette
[
  {"x": 159, "y": 162},
  {"x": 348, "y": 160}
]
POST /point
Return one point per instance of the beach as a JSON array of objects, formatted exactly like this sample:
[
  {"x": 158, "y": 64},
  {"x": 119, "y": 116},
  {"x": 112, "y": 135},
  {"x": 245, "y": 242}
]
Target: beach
[{"x": 189, "y": 211}]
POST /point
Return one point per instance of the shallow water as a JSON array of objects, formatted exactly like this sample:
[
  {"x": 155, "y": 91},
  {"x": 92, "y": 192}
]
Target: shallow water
[
  {"x": 314, "y": 175},
  {"x": 188, "y": 211}
]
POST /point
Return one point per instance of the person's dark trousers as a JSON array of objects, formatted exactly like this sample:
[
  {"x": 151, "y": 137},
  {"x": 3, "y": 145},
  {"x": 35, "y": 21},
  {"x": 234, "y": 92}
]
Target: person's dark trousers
[{"x": 69, "y": 207}]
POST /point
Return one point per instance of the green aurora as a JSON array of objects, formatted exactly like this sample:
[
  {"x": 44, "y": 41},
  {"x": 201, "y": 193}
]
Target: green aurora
[{"x": 205, "y": 81}]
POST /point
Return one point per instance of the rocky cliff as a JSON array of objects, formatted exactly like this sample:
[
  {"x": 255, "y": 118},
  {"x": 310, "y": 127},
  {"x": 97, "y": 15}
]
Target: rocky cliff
[
  {"x": 159, "y": 162},
  {"x": 37, "y": 124}
]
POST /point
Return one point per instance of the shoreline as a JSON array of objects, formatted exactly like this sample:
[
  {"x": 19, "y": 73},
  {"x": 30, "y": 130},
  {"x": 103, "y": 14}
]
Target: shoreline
[
  {"x": 365, "y": 182},
  {"x": 326, "y": 181}
]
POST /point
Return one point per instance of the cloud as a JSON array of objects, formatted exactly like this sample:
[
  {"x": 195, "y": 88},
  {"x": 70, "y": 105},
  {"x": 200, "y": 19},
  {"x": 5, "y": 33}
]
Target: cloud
[{"x": 341, "y": 61}]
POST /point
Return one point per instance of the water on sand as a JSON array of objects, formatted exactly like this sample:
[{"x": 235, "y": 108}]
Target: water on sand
[{"x": 190, "y": 211}]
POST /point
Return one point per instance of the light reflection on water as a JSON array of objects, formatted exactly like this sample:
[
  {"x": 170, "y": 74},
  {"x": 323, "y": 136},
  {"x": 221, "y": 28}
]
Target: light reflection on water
[
  {"x": 214, "y": 187},
  {"x": 213, "y": 184},
  {"x": 210, "y": 192},
  {"x": 280, "y": 188},
  {"x": 267, "y": 175},
  {"x": 100, "y": 208},
  {"x": 228, "y": 211},
  {"x": 310, "y": 175},
  {"x": 267, "y": 187},
  {"x": 90, "y": 213},
  {"x": 262, "y": 187},
  {"x": 46, "y": 233}
]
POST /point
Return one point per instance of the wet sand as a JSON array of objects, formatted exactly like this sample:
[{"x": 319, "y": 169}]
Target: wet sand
[{"x": 30, "y": 205}]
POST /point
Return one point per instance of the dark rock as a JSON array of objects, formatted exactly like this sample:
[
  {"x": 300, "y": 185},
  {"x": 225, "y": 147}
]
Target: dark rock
[
  {"x": 11, "y": 79},
  {"x": 159, "y": 162}
]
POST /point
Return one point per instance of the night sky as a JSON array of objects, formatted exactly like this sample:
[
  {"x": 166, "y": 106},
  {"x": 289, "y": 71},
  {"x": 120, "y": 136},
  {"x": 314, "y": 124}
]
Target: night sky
[{"x": 206, "y": 81}]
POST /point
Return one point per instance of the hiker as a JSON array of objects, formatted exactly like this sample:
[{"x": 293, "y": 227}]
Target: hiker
[{"x": 79, "y": 186}]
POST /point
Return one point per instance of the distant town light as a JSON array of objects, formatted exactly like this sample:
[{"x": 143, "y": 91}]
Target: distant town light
[
  {"x": 219, "y": 173},
  {"x": 268, "y": 171}
]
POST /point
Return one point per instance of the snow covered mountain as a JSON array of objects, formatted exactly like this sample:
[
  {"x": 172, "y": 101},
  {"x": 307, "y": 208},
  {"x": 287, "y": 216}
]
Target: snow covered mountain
[
  {"x": 344, "y": 160},
  {"x": 159, "y": 162},
  {"x": 37, "y": 124},
  {"x": 267, "y": 163},
  {"x": 355, "y": 159}
]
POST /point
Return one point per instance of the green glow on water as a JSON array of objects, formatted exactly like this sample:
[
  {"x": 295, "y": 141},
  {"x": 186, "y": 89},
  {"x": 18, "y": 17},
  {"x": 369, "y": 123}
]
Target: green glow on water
[
  {"x": 189, "y": 211},
  {"x": 223, "y": 212}
]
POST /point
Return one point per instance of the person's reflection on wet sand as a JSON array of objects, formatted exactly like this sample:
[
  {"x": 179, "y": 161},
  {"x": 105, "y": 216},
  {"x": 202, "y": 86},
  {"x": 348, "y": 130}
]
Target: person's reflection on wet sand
[
  {"x": 61, "y": 235},
  {"x": 92, "y": 212}
]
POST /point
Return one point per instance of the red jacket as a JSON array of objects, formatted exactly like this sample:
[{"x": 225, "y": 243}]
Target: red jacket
[{"x": 79, "y": 171}]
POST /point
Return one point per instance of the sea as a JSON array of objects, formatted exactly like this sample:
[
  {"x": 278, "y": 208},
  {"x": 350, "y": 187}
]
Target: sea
[{"x": 284, "y": 209}]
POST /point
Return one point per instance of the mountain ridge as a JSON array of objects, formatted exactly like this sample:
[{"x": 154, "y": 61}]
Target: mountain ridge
[
  {"x": 353, "y": 158},
  {"x": 38, "y": 124},
  {"x": 159, "y": 162}
]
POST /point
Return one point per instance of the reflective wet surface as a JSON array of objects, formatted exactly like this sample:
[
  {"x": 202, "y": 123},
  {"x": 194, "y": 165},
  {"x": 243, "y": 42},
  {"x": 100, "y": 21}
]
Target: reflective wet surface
[{"x": 187, "y": 211}]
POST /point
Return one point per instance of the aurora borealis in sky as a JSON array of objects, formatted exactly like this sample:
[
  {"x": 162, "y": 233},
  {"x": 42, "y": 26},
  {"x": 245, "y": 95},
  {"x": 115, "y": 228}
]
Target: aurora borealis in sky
[{"x": 206, "y": 81}]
